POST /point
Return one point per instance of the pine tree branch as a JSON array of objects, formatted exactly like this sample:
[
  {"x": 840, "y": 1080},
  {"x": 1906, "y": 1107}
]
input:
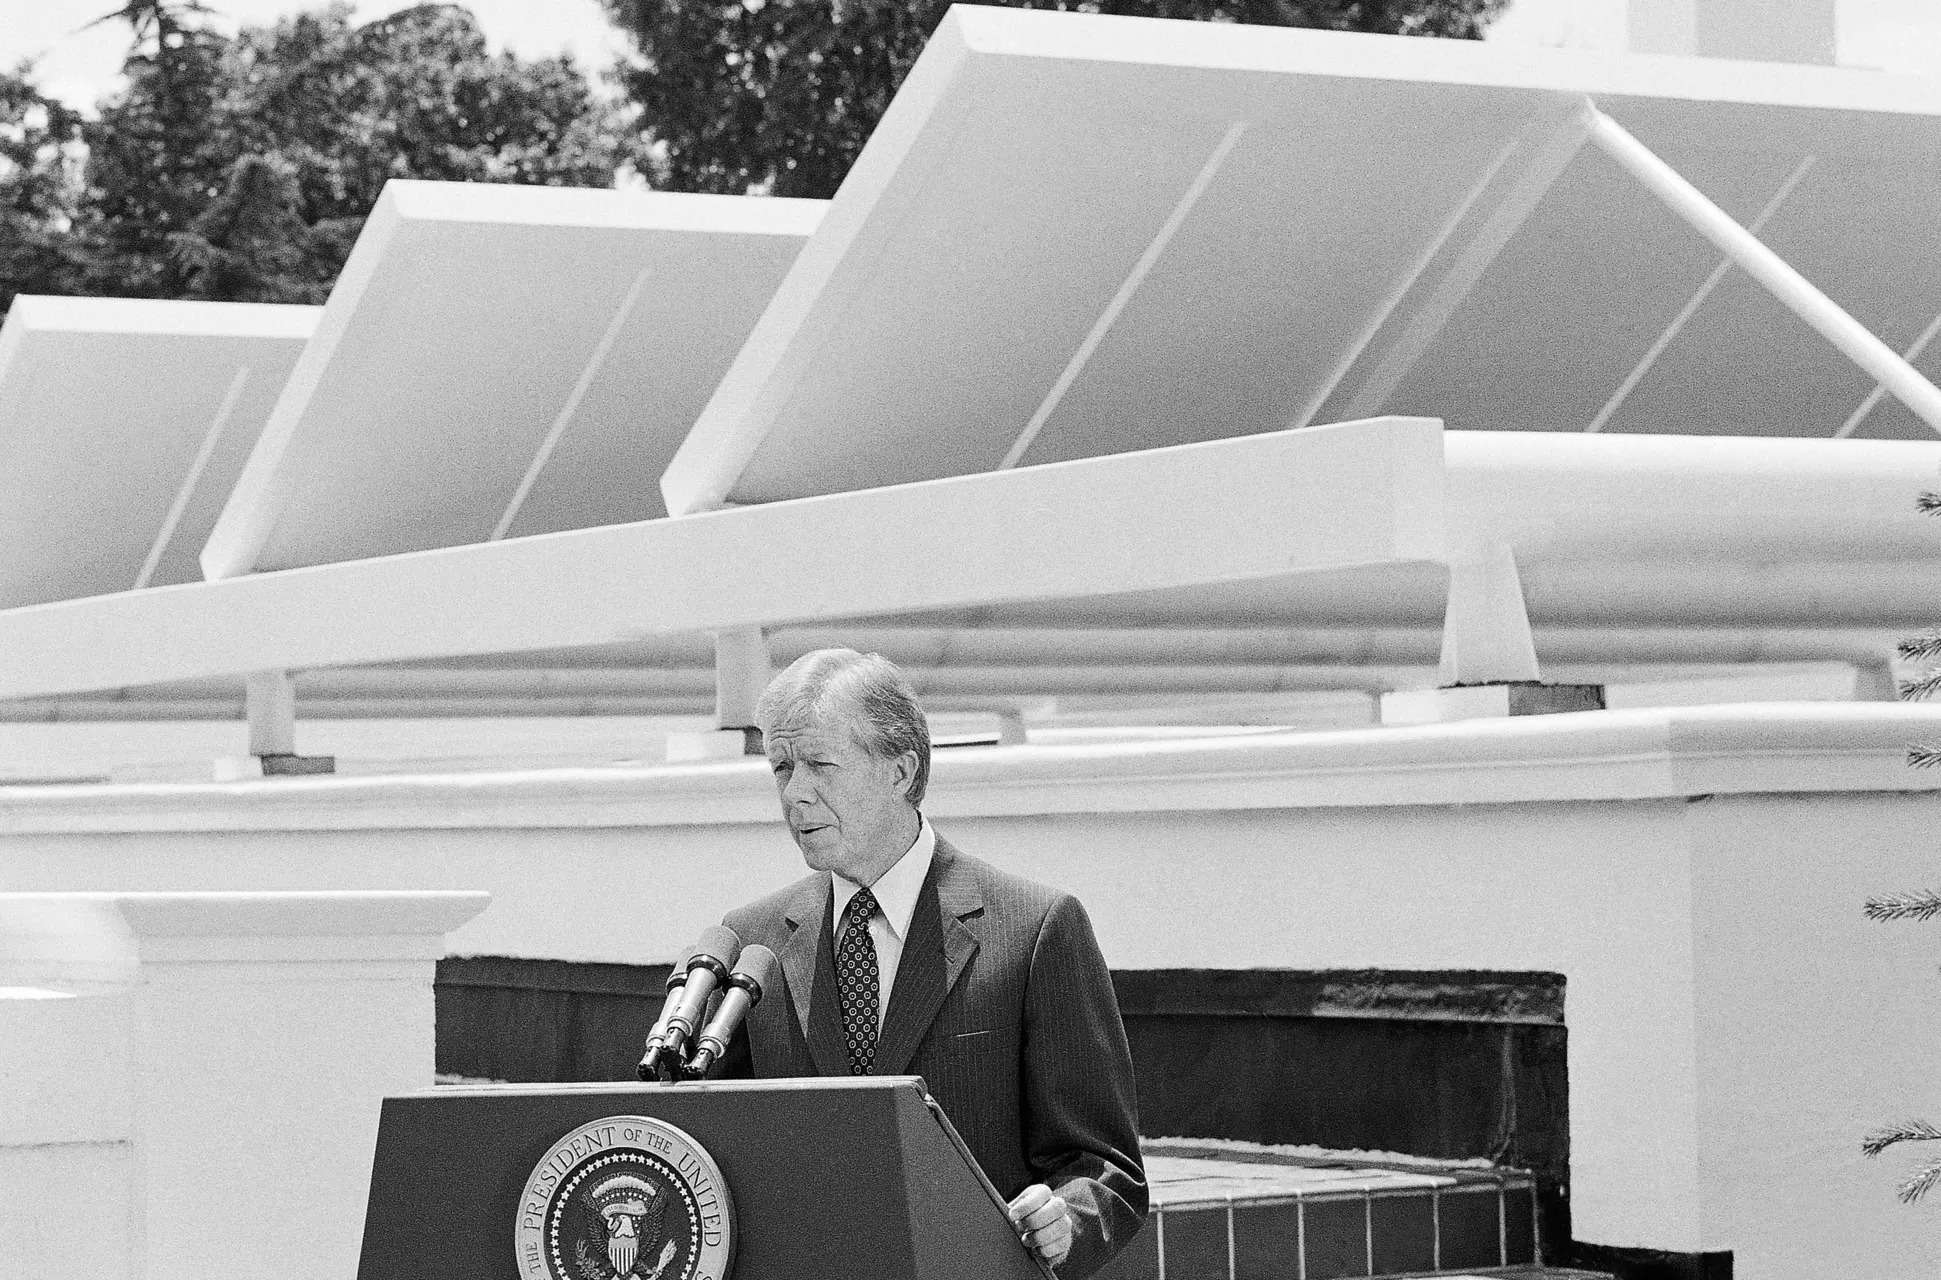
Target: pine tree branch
[
  {"x": 1921, "y": 688},
  {"x": 1919, "y": 1183},
  {"x": 1906, "y": 1131},
  {"x": 1925, "y": 905},
  {"x": 193, "y": 252},
  {"x": 1921, "y": 648},
  {"x": 1924, "y": 757},
  {"x": 1929, "y": 503}
]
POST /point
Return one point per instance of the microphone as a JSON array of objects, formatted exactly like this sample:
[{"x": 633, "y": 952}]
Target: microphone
[
  {"x": 707, "y": 968},
  {"x": 752, "y": 972},
  {"x": 649, "y": 1067}
]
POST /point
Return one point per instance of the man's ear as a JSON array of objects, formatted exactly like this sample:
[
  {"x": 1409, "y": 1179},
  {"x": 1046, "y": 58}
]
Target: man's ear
[{"x": 906, "y": 773}]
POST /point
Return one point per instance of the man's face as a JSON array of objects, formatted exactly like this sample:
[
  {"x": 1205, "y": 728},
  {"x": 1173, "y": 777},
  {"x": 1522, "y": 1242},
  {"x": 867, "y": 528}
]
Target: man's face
[{"x": 844, "y": 806}]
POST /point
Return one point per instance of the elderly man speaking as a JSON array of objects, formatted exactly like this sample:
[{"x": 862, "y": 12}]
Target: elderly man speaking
[{"x": 918, "y": 959}]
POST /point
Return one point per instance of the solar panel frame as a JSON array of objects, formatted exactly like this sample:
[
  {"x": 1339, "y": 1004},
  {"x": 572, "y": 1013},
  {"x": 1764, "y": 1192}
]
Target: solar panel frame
[
  {"x": 123, "y": 424},
  {"x": 498, "y": 360}
]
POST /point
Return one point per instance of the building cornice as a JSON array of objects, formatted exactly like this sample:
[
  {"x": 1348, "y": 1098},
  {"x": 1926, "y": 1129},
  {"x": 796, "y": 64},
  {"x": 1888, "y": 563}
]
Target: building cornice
[{"x": 1676, "y": 753}]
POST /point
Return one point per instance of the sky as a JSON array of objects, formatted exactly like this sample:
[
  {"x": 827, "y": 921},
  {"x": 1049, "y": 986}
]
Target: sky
[{"x": 79, "y": 65}]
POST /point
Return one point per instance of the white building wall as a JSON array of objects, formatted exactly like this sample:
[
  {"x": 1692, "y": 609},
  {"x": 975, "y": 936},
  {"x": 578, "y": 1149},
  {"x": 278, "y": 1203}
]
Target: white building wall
[
  {"x": 1734, "y": 1025},
  {"x": 1815, "y": 1025},
  {"x": 1754, "y": 30}
]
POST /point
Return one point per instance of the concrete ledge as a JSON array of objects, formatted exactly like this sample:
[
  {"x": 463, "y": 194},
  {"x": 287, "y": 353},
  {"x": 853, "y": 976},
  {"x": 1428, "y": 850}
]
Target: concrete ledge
[
  {"x": 1605, "y": 755},
  {"x": 394, "y": 921},
  {"x": 73, "y": 939},
  {"x": 214, "y": 1085}
]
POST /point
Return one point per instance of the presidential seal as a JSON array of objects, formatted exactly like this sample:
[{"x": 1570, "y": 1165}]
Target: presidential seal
[{"x": 625, "y": 1198}]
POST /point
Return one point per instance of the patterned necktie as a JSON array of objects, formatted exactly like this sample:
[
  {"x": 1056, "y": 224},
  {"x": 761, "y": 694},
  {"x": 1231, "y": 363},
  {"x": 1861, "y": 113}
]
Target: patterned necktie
[{"x": 856, "y": 981}]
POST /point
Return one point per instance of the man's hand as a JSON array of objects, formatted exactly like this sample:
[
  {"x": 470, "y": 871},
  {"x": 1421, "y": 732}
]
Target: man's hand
[{"x": 1044, "y": 1222}]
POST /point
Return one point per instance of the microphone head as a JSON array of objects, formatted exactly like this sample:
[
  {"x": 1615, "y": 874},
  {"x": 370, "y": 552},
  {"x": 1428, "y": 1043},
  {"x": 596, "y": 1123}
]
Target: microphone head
[
  {"x": 717, "y": 943},
  {"x": 754, "y": 970}
]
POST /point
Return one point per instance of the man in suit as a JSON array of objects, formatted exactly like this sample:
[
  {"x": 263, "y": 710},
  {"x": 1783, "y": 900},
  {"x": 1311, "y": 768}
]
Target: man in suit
[{"x": 901, "y": 955}]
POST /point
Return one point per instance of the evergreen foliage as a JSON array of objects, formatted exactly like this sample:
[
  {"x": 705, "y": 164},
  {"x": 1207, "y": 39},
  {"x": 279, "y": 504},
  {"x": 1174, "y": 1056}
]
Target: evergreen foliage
[
  {"x": 40, "y": 182},
  {"x": 241, "y": 168},
  {"x": 1923, "y": 1178},
  {"x": 1921, "y": 905},
  {"x": 1927, "y": 649},
  {"x": 778, "y": 96},
  {"x": 1924, "y": 905}
]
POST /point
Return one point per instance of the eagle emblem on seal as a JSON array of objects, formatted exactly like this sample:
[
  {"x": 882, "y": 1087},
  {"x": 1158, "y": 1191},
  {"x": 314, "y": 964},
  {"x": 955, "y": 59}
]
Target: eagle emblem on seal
[
  {"x": 625, "y": 1198},
  {"x": 630, "y": 1210}
]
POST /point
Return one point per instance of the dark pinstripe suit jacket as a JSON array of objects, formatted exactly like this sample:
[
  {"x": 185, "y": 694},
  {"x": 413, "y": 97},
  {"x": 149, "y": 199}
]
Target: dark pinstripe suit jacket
[{"x": 1003, "y": 1005}]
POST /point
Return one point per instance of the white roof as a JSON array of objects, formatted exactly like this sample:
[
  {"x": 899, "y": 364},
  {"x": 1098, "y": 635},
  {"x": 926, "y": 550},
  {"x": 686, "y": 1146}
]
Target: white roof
[
  {"x": 1074, "y": 234},
  {"x": 123, "y": 424},
  {"x": 500, "y": 360}
]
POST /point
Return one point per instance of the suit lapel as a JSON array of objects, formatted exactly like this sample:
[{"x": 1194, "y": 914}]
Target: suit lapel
[
  {"x": 812, "y": 977},
  {"x": 943, "y": 937}
]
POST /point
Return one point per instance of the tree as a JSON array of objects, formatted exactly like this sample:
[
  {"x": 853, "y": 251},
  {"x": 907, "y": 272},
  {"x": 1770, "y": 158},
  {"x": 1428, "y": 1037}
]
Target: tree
[
  {"x": 317, "y": 114},
  {"x": 780, "y": 95},
  {"x": 242, "y": 167},
  {"x": 40, "y": 181},
  {"x": 157, "y": 155},
  {"x": 415, "y": 94},
  {"x": 251, "y": 243}
]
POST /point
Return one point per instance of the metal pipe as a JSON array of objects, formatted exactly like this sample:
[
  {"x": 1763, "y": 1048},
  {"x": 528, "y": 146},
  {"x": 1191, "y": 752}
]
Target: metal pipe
[
  {"x": 1792, "y": 289},
  {"x": 1585, "y": 654}
]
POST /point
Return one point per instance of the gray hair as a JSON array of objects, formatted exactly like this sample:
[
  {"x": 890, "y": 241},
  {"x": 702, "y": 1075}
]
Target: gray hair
[{"x": 881, "y": 707}]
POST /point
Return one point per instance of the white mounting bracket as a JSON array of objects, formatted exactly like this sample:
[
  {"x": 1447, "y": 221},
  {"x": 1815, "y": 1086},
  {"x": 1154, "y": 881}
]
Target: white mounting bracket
[
  {"x": 270, "y": 704},
  {"x": 1486, "y": 628},
  {"x": 1489, "y": 660},
  {"x": 741, "y": 672}
]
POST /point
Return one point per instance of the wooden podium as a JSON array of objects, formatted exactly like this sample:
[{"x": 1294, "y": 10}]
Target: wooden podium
[{"x": 793, "y": 1180}]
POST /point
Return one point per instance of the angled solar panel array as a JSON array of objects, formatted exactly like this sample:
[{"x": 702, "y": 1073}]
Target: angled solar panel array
[{"x": 1071, "y": 236}]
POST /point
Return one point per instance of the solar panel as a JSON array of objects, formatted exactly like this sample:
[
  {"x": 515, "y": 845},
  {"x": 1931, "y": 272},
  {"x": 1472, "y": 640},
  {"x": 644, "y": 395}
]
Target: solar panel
[
  {"x": 123, "y": 424},
  {"x": 497, "y": 361},
  {"x": 1076, "y": 234},
  {"x": 1600, "y": 275}
]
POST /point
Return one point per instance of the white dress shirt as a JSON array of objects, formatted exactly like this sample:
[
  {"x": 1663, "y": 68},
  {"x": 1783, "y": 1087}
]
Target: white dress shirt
[{"x": 896, "y": 900}]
